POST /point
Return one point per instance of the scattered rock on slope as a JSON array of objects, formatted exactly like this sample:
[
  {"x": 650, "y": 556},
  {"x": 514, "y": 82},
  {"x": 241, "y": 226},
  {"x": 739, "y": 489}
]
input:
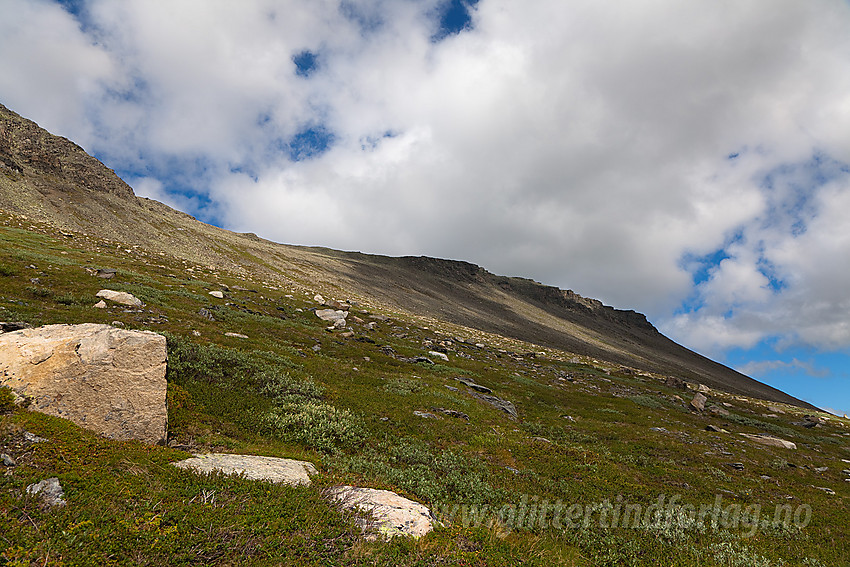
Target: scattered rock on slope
[
  {"x": 272, "y": 469},
  {"x": 121, "y": 297},
  {"x": 108, "y": 380},
  {"x": 769, "y": 440},
  {"x": 50, "y": 491},
  {"x": 393, "y": 515},
  {"x": 698, "y": 403}
]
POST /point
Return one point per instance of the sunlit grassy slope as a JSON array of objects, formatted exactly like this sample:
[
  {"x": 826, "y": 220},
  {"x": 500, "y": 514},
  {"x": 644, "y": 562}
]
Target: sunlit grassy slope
[{"x": 550, "y": 487}]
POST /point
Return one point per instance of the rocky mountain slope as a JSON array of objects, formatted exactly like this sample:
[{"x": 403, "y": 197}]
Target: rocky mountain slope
[{"x": 51, "y": 180}]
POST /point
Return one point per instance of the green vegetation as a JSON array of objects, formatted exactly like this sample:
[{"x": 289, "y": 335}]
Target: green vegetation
[{"x": 603, "y": 444}]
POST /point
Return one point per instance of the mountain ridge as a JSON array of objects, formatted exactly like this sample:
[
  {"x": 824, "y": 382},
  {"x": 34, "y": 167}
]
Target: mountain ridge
[{"x": 53, "y": 180}]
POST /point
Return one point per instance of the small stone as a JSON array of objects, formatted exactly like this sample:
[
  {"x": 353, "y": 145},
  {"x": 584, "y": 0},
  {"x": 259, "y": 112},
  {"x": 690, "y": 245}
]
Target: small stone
[
  {"x": 317, "y": 348},
  {"x": 821, "y": 469},
  {"x": 425, "y": 414},
  {"x": 452, "y": 413},
  {"x": 50, "y": 490},
  {"x": 206, "y": 314},
  {"x": 217, "y": 294},
  {"x": 7, "y": 460},
  {"x": 33, "y": 438},
  {"x": 675, "y": 383},
  {"x": 196, "y": 333},
  {"x": 236, "y": 335},
  {"x": 736, "y": 466},
  {"x": 100, "y": 304},
  {"x": 319, "y": 299},
  {"x": 658, "y": 429},
  {"x": 715, "y": 429},
  {"x": 117, "y": 323},
  {"x": 829, "y": 491}
]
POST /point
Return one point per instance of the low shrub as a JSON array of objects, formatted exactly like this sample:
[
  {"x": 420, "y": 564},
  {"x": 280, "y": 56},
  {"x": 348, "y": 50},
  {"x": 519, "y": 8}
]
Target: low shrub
[{"x": 315, "y": 424}]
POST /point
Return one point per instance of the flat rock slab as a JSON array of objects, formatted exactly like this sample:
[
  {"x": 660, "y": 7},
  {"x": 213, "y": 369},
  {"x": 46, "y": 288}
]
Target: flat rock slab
[
  {"x": 252, "y": 467},
  {"x": 771, "y": 441},
  {"x": 393, "y": 515},
  {"x": 108, "y": 380}
]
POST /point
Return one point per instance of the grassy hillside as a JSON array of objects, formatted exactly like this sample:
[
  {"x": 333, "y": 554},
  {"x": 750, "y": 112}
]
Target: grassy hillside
[
  {"x": 595, "y": 446},
  {"x": 51, "y": 180}
]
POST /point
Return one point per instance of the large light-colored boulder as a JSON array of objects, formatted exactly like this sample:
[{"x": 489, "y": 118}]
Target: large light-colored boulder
[
  {"x": 105, "y": 379},
  {"x": 252, "y": 467},
  {"x": 335, "y": 316},
  {"x": 390, "y": 514},
  {"x": 121, "y": 297}
]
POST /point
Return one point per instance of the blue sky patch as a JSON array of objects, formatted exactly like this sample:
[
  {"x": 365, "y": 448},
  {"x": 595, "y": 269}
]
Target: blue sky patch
[
  {"x": 306, "y": 63},
  {"x": 310, "y": 143},
  {"x": 454, "y": 18}
]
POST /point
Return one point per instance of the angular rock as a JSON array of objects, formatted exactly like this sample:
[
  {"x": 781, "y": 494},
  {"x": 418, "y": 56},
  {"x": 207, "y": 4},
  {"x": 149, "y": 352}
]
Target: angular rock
[
  {"x": 498, "y": 403},
  {"x": 121, "y": 297},
  {"x": 7, "y": 460},
  {"x": 106, "y": 273},
  {"x": 252, "y": 467},
  {"x": 698, "y": 403},
  {"x": 769, "y": 440},
  {"x": 470, "y": 384},
  {"x": 108, "y": 380},
  {"x": 236, "y": 335},
  {"x": 217, "y": 294},
  {"x": 675, "y": 383},
  {"x": 100, "y": 304},
  {"x": 452, "y": 413},
  {"x": 442, "y": 356},
  {"x": 391, "y": 515},
  {"x": 319, "y": 299},
  {"x": 703, "y": 389},
  {"x": 715, "y": 429},
  {"x": 50, "y": 490},
  {"x": 717, "y": 410},
  {"x": 335, "y": 316}
]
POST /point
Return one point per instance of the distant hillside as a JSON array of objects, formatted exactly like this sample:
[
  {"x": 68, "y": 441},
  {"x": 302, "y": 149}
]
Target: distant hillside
[{"x": 50, "y": 179}]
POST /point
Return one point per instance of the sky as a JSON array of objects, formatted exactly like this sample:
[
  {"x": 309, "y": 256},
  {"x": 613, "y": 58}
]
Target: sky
[{"x": 689, "y": 160}]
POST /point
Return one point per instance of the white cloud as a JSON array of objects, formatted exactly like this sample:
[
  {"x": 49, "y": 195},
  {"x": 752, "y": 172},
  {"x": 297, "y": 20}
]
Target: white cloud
[{"x": 578, "y": 143}]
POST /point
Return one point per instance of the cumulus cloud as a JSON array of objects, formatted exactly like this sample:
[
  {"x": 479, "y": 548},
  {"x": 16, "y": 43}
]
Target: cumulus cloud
[{"x": 683, "y": 159}]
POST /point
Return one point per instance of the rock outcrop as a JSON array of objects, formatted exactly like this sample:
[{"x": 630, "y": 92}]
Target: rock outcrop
[{"x": 108, "y": 380}]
